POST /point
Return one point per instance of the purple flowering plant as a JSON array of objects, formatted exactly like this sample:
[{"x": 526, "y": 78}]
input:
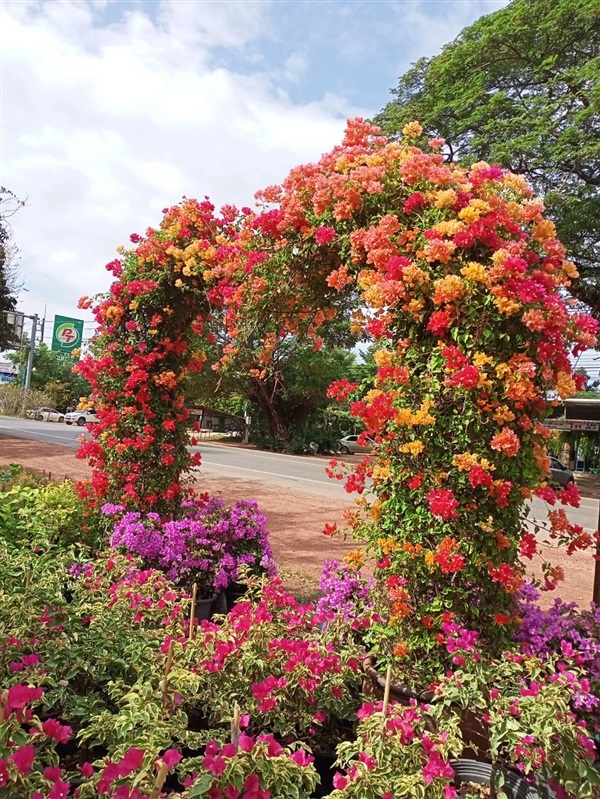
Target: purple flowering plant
[
  {"x": 567, "y": 632},
  {"x": 210, "y": 546},
  {"x": 346, "y": 590}
]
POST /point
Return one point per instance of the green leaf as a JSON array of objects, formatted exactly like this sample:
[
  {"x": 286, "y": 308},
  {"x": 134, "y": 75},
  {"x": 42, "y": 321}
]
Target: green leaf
[{"x": 201, "y": 786}]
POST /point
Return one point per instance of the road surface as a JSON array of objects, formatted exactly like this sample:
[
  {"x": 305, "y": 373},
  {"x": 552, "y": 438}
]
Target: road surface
[{"x": 287, "y": 471}]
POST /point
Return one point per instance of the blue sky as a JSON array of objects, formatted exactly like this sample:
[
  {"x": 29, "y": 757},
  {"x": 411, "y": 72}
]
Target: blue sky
[{"x": 113, "y": 109}]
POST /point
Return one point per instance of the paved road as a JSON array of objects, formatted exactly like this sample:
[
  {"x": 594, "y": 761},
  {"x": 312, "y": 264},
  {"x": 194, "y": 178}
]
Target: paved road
[
  {"x": 288, "y": 471},
  {"x": 301, "y": 473}
]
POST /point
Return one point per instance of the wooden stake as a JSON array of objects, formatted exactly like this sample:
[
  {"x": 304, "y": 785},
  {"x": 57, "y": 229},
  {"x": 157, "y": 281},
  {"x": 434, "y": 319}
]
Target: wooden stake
[
  {"x": 386, "y": 693},
  {"x": 193, "y": 611},
  {"x": 160, "y": 780},
  {"x": 27, "y": 579},
  {"x": 235, "y": 725},
  {"x": 168, "y": 665},
  {"x": 3, "y": 701}
]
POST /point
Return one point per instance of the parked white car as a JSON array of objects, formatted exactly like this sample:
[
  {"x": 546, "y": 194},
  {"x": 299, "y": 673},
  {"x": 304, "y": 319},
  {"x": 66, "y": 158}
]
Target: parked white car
[
  {"x": 349, "y": 445},
  {"x": 81, "y": 417},
  {"x": 46, "y": 415}
]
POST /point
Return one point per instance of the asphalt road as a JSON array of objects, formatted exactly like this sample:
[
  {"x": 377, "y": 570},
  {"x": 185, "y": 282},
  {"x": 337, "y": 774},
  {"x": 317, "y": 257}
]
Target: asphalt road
[{"x": 288, "y": 471}]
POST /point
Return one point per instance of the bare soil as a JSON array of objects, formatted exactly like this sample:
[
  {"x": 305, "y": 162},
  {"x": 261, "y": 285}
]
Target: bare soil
[{"x": 295, "y": 519}]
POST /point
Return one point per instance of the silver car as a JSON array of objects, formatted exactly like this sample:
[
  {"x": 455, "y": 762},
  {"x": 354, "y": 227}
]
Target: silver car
[
  {"x": 349, "y": 445},
  {"x": 81, "y": 417},
  {"x": 559, "y": 474}
]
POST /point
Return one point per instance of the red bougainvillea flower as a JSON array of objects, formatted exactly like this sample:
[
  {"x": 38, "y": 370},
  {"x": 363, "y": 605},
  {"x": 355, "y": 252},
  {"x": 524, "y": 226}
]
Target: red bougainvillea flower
[{"x": 443, "y": 503}]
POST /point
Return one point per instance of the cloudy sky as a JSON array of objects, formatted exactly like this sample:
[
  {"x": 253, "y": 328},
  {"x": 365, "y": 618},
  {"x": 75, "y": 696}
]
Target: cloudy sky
[{"x": 113, "y": 109}]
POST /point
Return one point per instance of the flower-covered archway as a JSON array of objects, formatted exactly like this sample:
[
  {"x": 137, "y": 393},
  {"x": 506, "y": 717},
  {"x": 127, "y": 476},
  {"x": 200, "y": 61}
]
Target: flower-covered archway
[{"x": 460, "y": 278}]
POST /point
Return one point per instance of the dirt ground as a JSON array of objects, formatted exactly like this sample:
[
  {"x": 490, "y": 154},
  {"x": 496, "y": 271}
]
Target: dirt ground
[{"x": 295, "y": 519}]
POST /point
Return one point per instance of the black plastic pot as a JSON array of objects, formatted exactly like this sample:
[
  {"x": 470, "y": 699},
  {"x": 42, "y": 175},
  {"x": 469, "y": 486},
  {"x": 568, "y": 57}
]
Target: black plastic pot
[
  {"x": 204, "y": 607},
  {"x": 515, "y": 786},
  {"x": 233, "y": 593},
  {"x": 324, "y": 767}
]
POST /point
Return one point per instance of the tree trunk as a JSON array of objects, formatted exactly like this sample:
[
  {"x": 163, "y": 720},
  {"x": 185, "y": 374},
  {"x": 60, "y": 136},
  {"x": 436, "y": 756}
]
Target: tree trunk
[{"x": 266, "y": 397}]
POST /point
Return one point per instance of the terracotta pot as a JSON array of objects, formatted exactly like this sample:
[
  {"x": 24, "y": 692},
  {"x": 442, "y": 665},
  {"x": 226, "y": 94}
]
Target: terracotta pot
[{"x": 515, "y": 786}]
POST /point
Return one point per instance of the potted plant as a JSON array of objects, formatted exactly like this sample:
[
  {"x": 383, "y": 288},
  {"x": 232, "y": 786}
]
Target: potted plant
[
  {"x": 247, "y": 551},
  {"x": 399, "y": 751},
  {"x": 185, "y": 549},
  {"x": 527, "y": 705},
  {"x": 259, "y": 767},
  {"x": 273, "y": 656}
]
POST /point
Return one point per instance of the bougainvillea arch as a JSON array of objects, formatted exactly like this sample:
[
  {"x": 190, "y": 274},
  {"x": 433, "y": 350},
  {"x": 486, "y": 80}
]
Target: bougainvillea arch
[{"x": 460, "y": 278}]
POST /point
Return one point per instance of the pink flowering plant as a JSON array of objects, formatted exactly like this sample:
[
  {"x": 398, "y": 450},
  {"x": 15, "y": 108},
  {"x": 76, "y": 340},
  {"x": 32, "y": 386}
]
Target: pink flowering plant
[
  {"x": 403, "y": 751},
  {"x": 527, "y": 709},
  {"x": 252, "y": 768},
  {"x": 110, "y": 632},
  {"x": 564, "y": 631},
  {"x": 29, "y": 762},
  {"x": 276, "y": 658}
]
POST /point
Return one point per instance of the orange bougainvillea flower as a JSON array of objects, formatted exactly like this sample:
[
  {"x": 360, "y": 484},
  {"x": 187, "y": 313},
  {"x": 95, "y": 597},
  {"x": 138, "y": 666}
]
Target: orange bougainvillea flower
[
  {"x": 401, "y": 650},
  {"x": 506, "y": 441},
  {"x": 355, "y": 559}
]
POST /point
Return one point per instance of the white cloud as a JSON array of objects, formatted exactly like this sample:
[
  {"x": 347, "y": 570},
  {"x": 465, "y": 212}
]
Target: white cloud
[
  {"x": 105, "y": 124},
  {"x": 112, "y": 111}
]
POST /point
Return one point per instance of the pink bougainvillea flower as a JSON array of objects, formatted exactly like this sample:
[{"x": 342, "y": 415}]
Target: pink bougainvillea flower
[
  {"x": 339, "y": 781},
  {"x": 3, "y": 773},
  {"x": 171, "y": 757},
  {"x": 302, "y": 758},
  {"x": 60, "y": 790},
  {"x": 131, "y": 761},
  {"x": 246, "y": 742},
  {"x": 23, "y": 758},
  {"x": 54, "y": 729},
  {"x": 323, "y": 235},
  {"x": 19, "y": 696}
]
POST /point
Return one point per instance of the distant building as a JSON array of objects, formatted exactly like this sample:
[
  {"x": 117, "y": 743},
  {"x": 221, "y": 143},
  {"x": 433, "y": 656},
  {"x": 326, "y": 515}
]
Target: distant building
[{"x": 8, "y": 372}]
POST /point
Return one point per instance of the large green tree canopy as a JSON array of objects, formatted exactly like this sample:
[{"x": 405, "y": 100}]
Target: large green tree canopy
[{"x": 521, "y": 88}]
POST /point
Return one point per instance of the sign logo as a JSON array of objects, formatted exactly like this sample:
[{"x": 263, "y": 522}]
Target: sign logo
[{"x": 67, "y": 335}]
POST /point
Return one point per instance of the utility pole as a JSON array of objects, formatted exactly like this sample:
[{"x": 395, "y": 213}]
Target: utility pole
[{"x": 31, "y": 351}]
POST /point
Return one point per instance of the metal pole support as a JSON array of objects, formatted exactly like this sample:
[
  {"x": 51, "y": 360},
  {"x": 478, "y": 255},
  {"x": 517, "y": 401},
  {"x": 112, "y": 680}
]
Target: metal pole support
[{"x": 31, "y": 351}]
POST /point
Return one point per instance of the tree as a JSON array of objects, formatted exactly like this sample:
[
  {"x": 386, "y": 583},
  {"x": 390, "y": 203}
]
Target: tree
[
  {"x": 53, "y": 374},
  {"x": 287, "y": 403},
  {"x": 9, "y": 205},
  {"x": 521, "y": 88}
]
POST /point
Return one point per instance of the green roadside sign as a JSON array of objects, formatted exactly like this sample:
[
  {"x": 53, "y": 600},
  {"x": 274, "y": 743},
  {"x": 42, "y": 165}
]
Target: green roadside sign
[{"x": 67, "y": 335}]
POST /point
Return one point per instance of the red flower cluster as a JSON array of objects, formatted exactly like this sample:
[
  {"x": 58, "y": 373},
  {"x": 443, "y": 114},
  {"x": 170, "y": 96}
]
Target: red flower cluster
[{"x": 443, "y": 503}]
